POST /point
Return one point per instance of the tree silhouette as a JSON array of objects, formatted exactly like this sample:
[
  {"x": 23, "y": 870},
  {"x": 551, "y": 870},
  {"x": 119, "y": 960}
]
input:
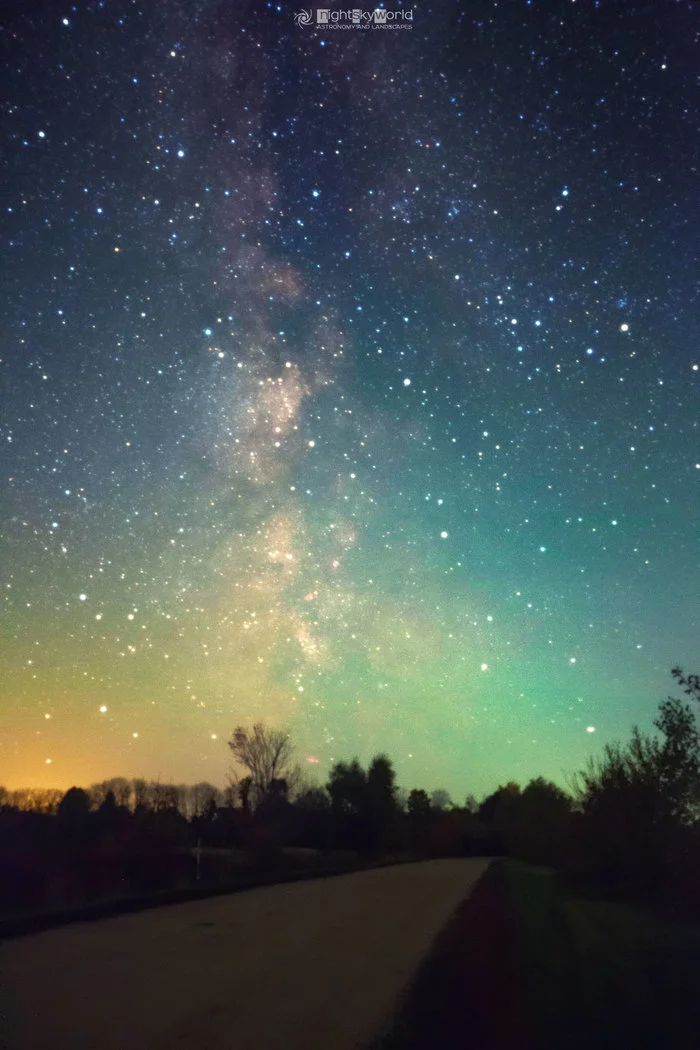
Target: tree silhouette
[
  {"x": 364, "y": 803},
  {"x": 690, "y": 683},
  {"x": 440, "y": 799},
  {"x": 381, "y": 785},
  {"x": 543, "y": 816},
  {"x": 499, "y": 807},
  {"x": 471, "y": 805},
  {"x": 640, "y": 804},
  {"x": 74, "y": 808},
  {"x": 244, "y": 789},
  {"x": 380, "y": 802},
  {"x": 267, "y": 756},
  {"x": 419, "y": 805},
  {"x": 346, "y": 786},
  {"x": 677, "y": 760},
  {"x": 109, "y": 806}
]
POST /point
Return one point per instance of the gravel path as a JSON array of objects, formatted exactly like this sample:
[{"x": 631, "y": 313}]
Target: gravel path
[{"x": 316, "y": 965}]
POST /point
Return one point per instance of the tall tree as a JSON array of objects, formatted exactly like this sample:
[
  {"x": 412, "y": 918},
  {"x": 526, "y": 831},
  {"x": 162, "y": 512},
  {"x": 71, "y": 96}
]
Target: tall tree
[
  {"x": 381, "y": 787},
  {"x": 347, "y": 786},
  {"x": 267, "y": 756}
]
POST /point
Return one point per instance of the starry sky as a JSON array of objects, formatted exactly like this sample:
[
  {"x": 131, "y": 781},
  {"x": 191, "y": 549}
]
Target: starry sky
[{"x": 349, "y": 381}]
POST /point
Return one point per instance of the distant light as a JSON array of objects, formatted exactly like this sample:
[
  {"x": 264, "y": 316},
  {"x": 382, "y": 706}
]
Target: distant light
[
  {"x": 565, "y": 192},
  {"x": 543, "y": 550},
  {"x": 590, "y": 729},
  {"x": 624, "y": 328},
  {"x": 572, "y": 659},
  {"x": 207, "y": 331},
  {"x": 83, "y": 597},
  {"x": 590, "y": 350},
  {"x": 135, "y": 735},
  {"x": 42, "y": 134},
  {"x": 443, "y": 535},
  {"x": 484, "y": 667},
  {"x": 315, "y": 193},
  {"x": 407, "y": 382},
  {"x": 312, "y": 444},
  {"x": 181, "y": 153},
  {"x": 103, "y": 709},
  {"x": 65, "y": 21}
]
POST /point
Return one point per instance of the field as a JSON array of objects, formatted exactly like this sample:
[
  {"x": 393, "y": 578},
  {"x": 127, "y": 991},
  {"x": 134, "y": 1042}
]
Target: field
[{"x": 528, "y": 964}]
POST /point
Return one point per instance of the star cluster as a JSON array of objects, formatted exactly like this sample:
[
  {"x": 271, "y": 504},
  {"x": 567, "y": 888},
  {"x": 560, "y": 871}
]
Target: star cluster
[{"x": 350, "y": 381}]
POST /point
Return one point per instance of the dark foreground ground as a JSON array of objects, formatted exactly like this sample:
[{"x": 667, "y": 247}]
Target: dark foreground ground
[
  {"x": 467, "y": 993},
  {"x": 528, "y": 963},
  {"x": 317, "y": 965}
]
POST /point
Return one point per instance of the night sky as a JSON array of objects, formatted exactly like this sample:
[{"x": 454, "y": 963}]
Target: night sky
[{"x": 350, "y": 381}]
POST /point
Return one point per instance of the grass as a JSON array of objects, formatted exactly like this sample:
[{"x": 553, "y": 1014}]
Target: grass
[
  {"x": 527, "y": 963},
  {"x": 600, "y": 974}
]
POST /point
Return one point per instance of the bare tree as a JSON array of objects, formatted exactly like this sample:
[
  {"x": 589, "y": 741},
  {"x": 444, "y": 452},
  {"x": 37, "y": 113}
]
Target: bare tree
[
  {"x": 266, "y": 754},
  {"x": 122, "y": 790},
  {"x": 164, "y": 796},
  {"x": 119, "y": 786},
  {"x": 204, "y": 795},
  {"x": 37, "y": 800}
]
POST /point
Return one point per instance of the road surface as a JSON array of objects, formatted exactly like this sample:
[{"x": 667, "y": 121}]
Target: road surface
[{"x": 316, "y": 965}]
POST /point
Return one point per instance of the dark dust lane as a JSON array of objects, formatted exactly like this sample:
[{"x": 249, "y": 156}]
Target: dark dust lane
[{"x": 315, "y": 964}]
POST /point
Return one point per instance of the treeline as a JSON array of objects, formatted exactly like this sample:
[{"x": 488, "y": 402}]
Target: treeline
[
  {"x": 629, "y": 825},
  {"x": 189, "y": 799}
]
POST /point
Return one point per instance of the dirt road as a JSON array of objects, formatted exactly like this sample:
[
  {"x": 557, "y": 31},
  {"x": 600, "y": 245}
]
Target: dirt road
[{"x": 316, "y": 965}]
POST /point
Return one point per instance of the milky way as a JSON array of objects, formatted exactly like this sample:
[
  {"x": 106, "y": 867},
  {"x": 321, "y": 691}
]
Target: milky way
[{"x": 350, "y": 381}]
